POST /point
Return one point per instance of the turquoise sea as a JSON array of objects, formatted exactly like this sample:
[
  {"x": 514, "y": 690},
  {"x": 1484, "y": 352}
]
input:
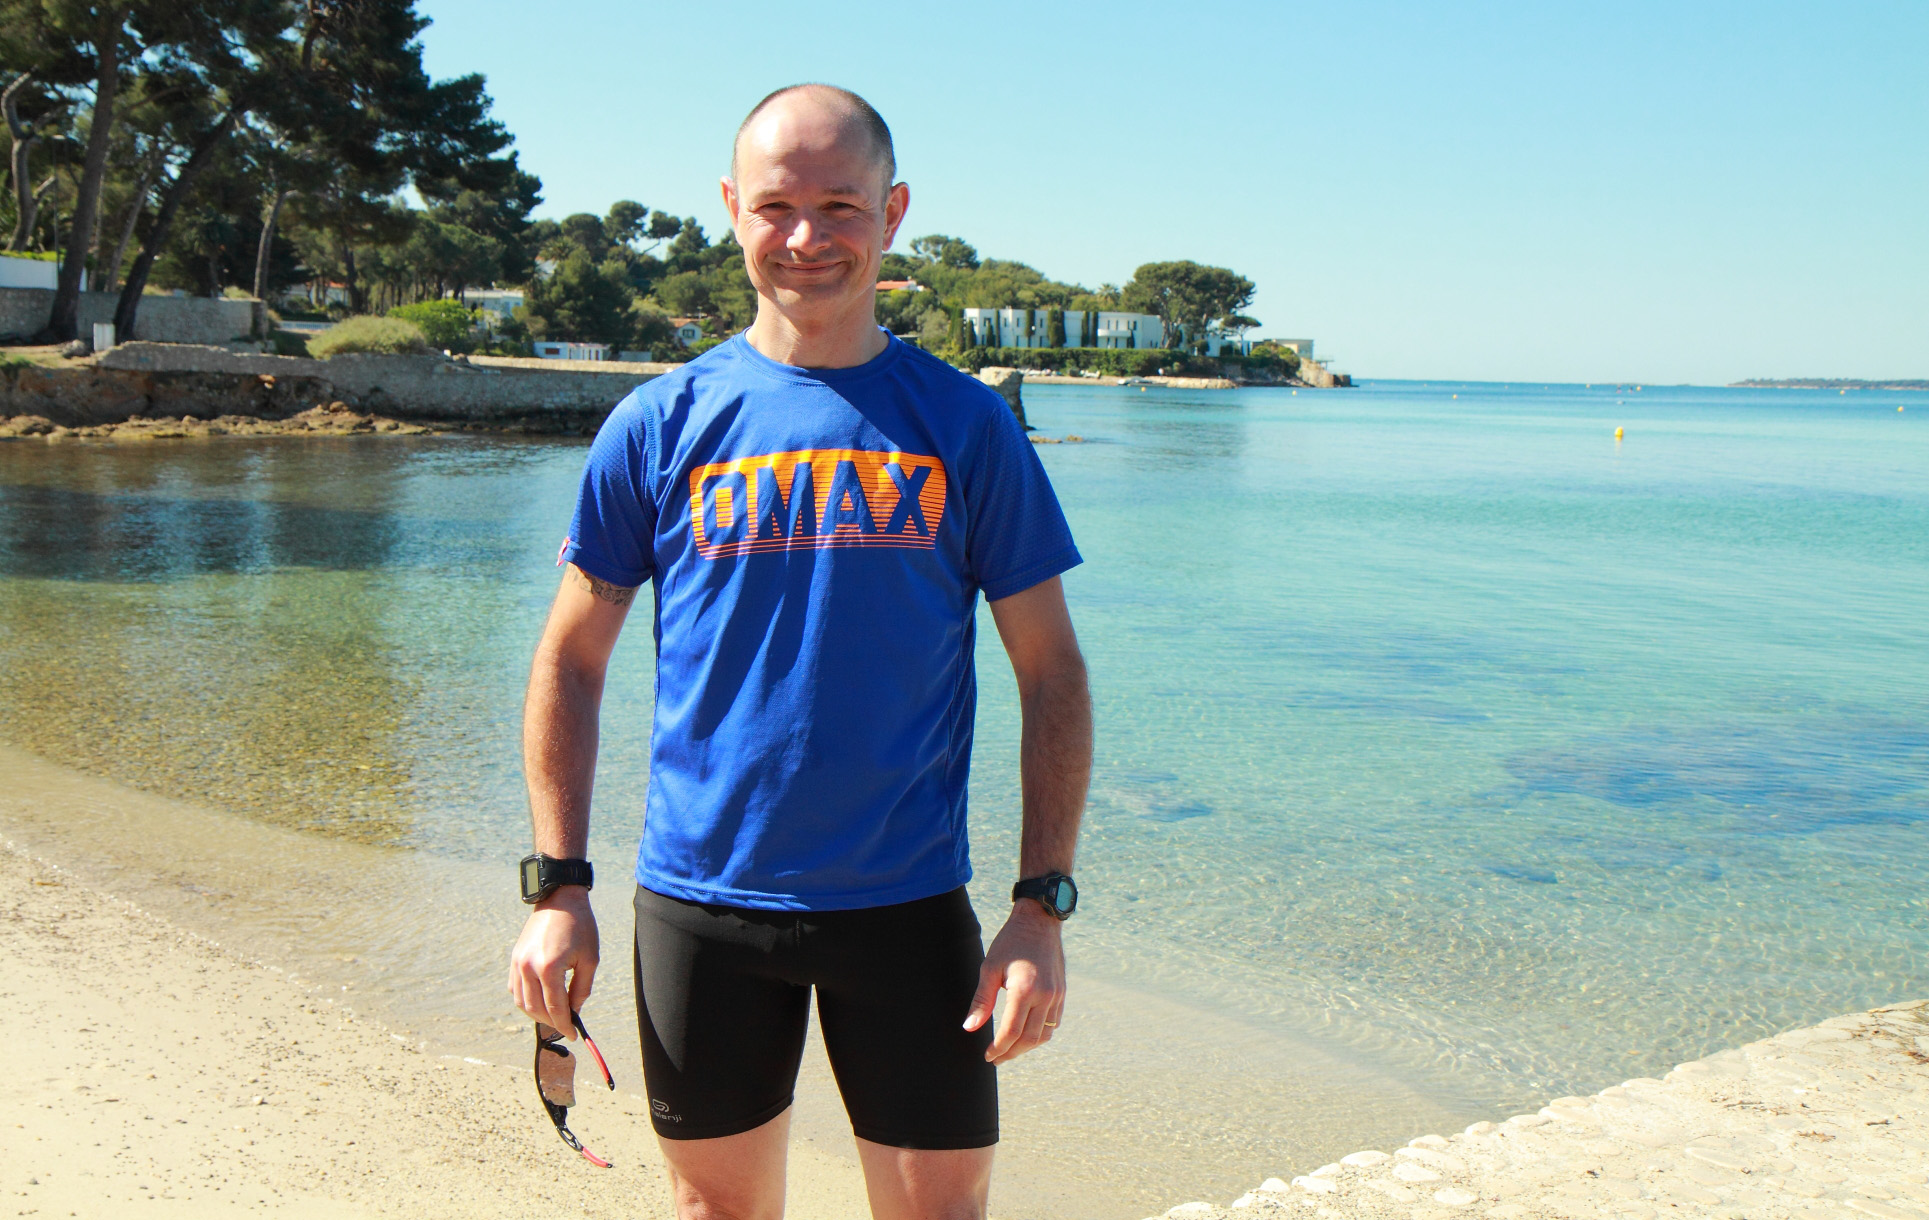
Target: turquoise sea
[{"x": 1442, "y": 738}]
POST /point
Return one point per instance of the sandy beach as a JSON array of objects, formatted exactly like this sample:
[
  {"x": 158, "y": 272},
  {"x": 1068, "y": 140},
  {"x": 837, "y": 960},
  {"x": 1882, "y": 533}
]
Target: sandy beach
[
  {"x": 167, "y": 1070},
  {"x": 153, "y": 1069}
]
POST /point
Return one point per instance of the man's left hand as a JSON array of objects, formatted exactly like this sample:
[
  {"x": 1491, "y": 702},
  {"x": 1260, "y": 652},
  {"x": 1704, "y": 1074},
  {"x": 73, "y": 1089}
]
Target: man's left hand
[{"x": 1028, "y": 961}]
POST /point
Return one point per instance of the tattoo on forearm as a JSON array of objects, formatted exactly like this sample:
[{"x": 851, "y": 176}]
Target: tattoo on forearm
[{"x": 615, "y": 595}]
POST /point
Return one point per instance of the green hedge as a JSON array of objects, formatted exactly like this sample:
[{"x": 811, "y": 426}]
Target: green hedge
[
  {"x": 1106, "y": 361},
  {"x": 369, "y": 334},
  {"x": 1118, "y": 361},
  {"x": 445, "y": 324}
]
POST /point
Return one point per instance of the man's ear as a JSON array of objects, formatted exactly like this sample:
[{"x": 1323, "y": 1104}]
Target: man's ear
[
  {"x": 729, "y": 188},
  {"x": 895, "y": 205}
]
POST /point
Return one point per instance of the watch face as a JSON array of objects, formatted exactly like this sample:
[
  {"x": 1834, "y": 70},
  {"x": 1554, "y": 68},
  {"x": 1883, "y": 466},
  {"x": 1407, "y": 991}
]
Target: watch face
[
  {"x": 531, "y": 876},
  {"x": 1065, "y": 895}
]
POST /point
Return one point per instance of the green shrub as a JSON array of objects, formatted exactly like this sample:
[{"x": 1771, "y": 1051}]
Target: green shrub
[
  {"x": 288, "y": 343},
  {"x": 366, "y": 333},
  {"x": 445, "y": 324},
  {"x": 1123, "y": 361},
  {"x": 1106, "y": 361}
]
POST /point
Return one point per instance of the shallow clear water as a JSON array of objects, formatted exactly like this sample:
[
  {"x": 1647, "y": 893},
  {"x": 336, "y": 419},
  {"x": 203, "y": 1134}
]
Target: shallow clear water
[{"x": 1445, "y": 731}]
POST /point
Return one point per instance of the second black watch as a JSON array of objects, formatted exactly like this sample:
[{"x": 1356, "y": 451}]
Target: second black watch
[
  {"x": 1056, "y": 892},
  {"x": 544, "y": 875}
]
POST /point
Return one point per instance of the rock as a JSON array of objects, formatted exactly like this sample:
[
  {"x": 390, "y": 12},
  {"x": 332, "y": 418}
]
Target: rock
[
  {"x": 1480, "y": 1128},
  {"x": 1873, "y": 1208},
  {"x": 1427, "y": 1141},
  {"x": 76, "y": 349},
  {"x": 1453, "y": 1196},
  {"x": 1719, "y": 1158},
  {"x": 1407, "y": 1171},
  {"x": 1433, "y": 1160},
  {"x": 1319, "y": 1186},
  {"x": 1274, "y": 1186},
  {"x": 1325, "y": 1171},
  {"x": 1392, "y": 1190},
  {"x": 1567, "y": 1114},
  {"x": 1009, "y": 383},
  {"x": 1362, "y": 1160},
  {"x": 1190, "y": 1211}
]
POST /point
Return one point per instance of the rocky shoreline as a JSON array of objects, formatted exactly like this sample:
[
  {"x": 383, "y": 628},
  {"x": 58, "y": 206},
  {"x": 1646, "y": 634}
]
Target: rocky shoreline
[
  {"x": 1829, "y": 1121},
  {"x": 331, "y": 419}
]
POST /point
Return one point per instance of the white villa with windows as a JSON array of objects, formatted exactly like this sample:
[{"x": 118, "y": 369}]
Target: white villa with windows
[{"x": 1097, "y": 328}]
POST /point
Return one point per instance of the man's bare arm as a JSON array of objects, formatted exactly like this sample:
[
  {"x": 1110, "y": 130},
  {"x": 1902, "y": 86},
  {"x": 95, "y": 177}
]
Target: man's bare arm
[
  {"x": 1027, "y": 958},
  {"x": 615, "y": 595},
  {"x": 554, "y": 962}
]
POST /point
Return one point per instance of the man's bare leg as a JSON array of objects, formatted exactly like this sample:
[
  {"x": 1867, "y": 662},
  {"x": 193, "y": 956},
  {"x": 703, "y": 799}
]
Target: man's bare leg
[
  {"x": 732, "y": 1177},
  {"x": 924, "y": 1184}
]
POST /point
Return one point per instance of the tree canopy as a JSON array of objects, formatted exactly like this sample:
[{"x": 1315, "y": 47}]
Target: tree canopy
[{"x": 1190, "y": 298}]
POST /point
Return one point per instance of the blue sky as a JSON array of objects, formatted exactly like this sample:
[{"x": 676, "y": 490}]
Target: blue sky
[{"x": 1653, "y": 192}]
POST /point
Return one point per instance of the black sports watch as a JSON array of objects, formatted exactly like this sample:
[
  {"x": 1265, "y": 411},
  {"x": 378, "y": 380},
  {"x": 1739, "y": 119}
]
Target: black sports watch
[
  {"x": 543, "y": 875},
  {"x": 1055, "y": 892}
]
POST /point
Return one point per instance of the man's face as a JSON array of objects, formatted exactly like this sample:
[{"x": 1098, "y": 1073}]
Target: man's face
[{"x": 813, "y": 210}]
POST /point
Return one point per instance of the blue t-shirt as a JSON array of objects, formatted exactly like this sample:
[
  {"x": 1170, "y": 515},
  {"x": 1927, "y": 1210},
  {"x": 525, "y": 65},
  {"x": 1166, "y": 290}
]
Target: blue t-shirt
[{"x": 817, "y": 539}]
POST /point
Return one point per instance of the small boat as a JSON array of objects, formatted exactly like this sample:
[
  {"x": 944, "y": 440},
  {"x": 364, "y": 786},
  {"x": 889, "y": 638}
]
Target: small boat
[{"x": 1137, "y": 381}]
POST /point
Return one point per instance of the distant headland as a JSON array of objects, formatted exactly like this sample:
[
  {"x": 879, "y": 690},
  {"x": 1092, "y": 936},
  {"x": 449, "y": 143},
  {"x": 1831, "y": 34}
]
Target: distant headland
[{"x": 1827, "y": 383}]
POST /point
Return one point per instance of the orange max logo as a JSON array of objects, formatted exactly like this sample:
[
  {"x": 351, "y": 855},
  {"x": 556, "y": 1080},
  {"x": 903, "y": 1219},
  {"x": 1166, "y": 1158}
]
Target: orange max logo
[{"x": 816, "y": 498}]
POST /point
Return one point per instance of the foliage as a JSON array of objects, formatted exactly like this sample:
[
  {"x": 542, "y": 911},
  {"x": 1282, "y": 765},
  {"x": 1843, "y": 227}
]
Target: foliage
[
  {"x": 1189, "y": 297},
  {"x": 446, "y": 324},
  {"x": 288, "y": 343},
  {"x": 581, "y": 301},
  {"x": 1286, "y": 357},
  {"x": 1126, "y": 362},
  {"x": 945, "y": 251},
  {"x": 1107, "y": 361},
  {"x": 366, "y": 333}
]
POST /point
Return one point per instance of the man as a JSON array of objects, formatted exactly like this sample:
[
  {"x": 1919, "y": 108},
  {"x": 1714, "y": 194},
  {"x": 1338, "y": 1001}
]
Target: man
[{"x": 819, "y": 506}]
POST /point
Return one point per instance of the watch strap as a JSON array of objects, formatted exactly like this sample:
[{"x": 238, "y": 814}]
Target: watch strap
[
  {"x": 543, "y": 875},
  {"x": 1046, "y": 892}
]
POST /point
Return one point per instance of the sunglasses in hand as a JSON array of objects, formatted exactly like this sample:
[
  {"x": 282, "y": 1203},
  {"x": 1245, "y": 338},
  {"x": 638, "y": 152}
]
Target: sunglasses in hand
[{"x": 556, "y": 1081}]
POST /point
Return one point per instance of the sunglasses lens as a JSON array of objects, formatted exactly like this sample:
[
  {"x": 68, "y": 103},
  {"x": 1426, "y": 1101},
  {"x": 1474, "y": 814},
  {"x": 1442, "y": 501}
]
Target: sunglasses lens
[{"x": 556, "y": 1075}]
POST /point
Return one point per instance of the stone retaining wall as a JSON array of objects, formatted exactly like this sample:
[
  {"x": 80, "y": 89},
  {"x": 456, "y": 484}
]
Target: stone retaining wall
[
  {"x": 178, "y": 379},
  {"x": 24, "y": 313}
]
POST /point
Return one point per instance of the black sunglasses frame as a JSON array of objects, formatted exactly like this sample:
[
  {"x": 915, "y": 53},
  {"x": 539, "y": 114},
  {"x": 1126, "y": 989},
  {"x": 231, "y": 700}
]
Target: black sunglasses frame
[{"x": 560, "y": 1114}]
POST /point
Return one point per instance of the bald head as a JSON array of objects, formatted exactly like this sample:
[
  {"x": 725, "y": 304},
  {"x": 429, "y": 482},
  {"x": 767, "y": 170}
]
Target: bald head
[{"x": 796, "y": 110}]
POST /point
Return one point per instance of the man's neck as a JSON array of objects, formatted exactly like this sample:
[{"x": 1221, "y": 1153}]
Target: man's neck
[{"x": 842, "y": 343}]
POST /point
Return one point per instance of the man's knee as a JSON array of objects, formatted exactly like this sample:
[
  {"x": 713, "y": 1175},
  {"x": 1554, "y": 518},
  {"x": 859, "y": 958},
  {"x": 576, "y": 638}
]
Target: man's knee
[
  {"x": 725, "y": 1200},
  {"x": 736, "y": 1177}
]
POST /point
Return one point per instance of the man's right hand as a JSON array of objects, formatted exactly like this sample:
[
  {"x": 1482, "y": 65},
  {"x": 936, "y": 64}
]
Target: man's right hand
[{"x": 558, "y": 939}]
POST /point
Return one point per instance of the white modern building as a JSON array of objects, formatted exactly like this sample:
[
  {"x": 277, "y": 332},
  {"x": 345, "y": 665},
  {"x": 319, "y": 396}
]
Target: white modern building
[
  {"x": 498, "y": 305},
  {"x": 1031, "y": 328},
  {"x": 572, "y": 351}
]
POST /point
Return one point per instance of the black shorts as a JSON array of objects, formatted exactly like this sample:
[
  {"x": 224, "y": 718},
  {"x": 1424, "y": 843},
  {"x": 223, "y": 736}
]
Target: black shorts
[{"x": 723, "y": 1001}]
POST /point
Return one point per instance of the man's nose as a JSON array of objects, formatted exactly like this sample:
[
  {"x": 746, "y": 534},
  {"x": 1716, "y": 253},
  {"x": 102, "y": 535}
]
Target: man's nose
[{"x": 806, "y": 236}]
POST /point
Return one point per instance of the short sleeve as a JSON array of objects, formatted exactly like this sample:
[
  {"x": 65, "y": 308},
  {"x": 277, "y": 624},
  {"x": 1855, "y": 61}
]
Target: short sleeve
[
  {"x": 1017, "y": 536},
  {"x": 612, "y": 536}
]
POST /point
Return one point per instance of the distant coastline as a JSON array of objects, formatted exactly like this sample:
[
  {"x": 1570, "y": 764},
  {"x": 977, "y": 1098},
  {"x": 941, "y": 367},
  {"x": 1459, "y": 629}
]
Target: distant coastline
[{"x": 1826, "y": 383}]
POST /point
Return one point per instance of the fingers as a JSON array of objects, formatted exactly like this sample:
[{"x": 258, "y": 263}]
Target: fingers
[
  {"x": 990, "y": 978},
  {"x": 1020, "y": 979},
  {"x": 581, "y": 979},
  {"x": 553, "y": 968}
]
